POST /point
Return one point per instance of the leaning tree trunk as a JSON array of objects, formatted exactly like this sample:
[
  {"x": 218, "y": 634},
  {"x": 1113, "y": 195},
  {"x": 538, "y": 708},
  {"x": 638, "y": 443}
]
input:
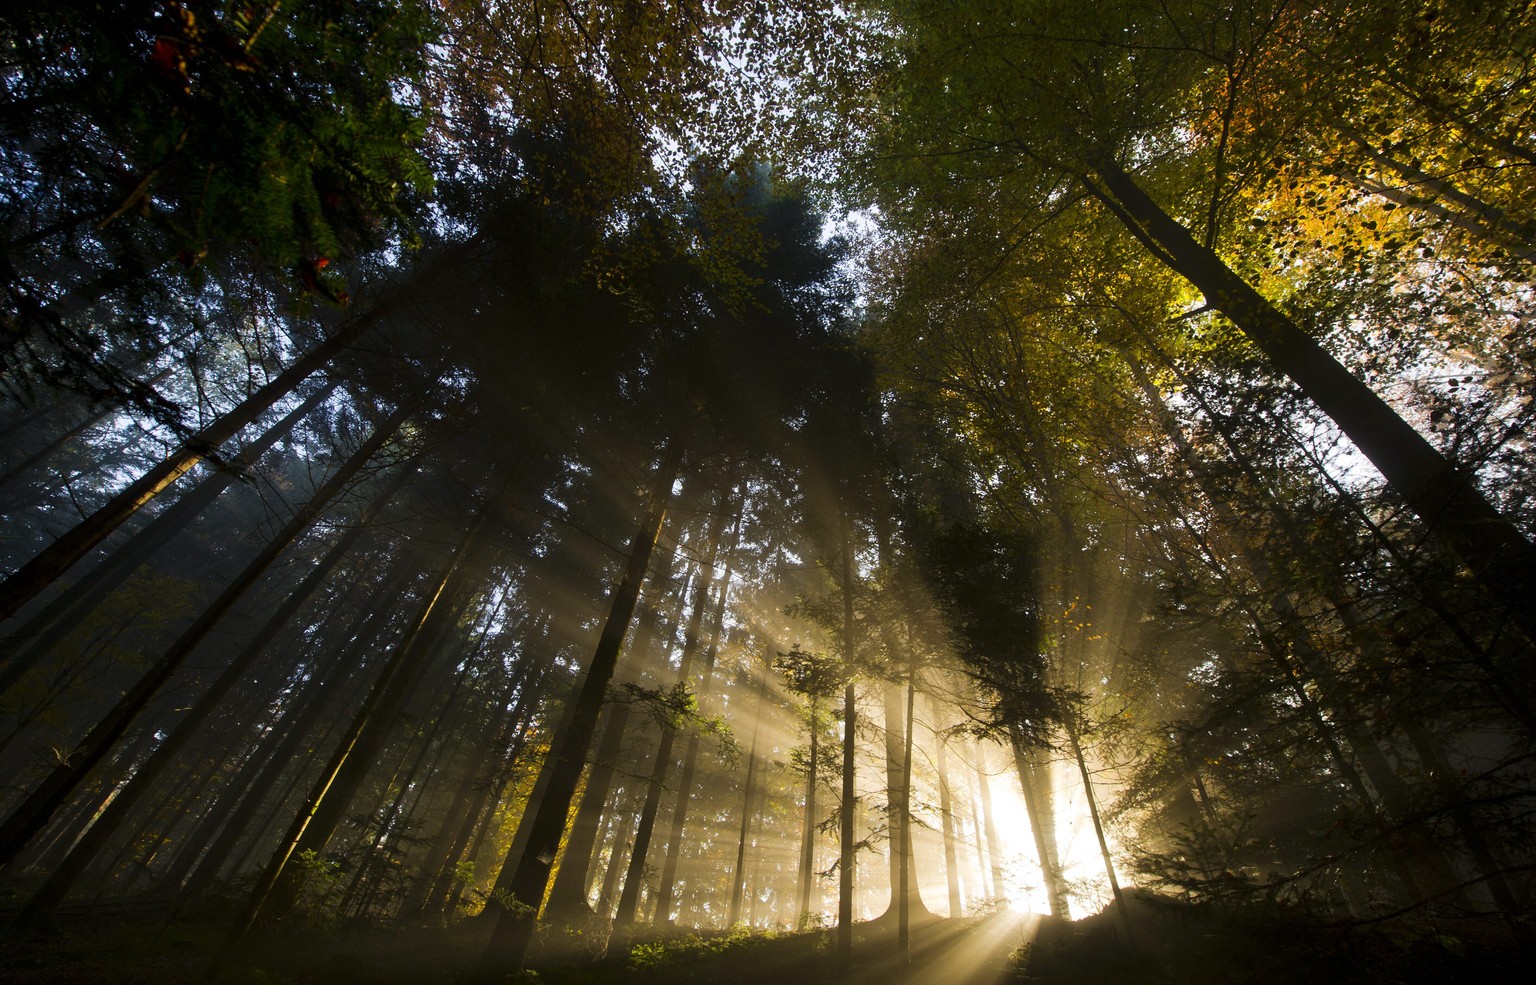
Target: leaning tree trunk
[
  {"x": 334, "y": 789},
  {"x": 1098, "y": 826},
  {"x": 568, "y": 895},
  {"x": 40, "y": 909},
  {"x": 40, "y": 634},
  {"x": 445, "y": 843},
  {"x": 192, "y": 874},
  {"x": 40, "y": 572},
  {"x": 35, "y": 811},
  {"x": 1039, "y": 804},
  {"x": 15, "y": 472},
  {"x": 629, "y": 897},
  {"x": 1491, "y": 547},
  {"x": 514, "y": 926}
]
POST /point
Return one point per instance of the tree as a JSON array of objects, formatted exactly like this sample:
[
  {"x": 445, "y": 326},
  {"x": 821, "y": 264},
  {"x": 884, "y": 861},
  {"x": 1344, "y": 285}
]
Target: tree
[{"x": 1114, "y": 94}]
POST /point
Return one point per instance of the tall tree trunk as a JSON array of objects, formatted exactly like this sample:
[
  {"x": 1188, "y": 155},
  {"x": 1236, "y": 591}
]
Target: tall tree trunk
[
  {"x": 332, "y": 792},
  {"x": 1446, "y": 499},
  {"x": 441, "y": 851},
  {"x": 1098, "y": 826},
  {"x": 946, "y": 814},
  {"x": 890, "y": 696},
  {"x": 514, "y": 927},
  {"x": 622, "y": 848},
  {"x": 665, "y": 886},
  {"x": 40, "y": 572},
  {"x": 43, "y": 904},
  {"x": 807, "y": 870},
  {"x": 568, "y": 895},
  {"x": 34, "y": 639},
  {"x": 989, "y": 828},
  {"x": 254, "y": 783},
  {"x": 1039, "y": 804},
  {"x": 845, "y": 854},
  {"x": 738, "y": 871},
  {"x": 510, "y": 741},
  {"x": 629, "y": 897},
  {"x": 33, "y": 460},
  {"x": 29, "y": 818},
  {"x": 907, "y": 887}
]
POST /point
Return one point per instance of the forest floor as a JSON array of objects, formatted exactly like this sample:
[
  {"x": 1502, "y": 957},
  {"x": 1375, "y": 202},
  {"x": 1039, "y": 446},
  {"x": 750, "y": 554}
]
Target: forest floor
[{"x": 1171, "y": 947}]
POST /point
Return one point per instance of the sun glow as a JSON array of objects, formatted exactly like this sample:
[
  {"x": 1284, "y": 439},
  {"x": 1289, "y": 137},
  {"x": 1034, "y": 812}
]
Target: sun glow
[{"x": 1077, "y": 847}]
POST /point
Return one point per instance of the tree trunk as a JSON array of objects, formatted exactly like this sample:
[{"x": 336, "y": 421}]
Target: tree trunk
[
  {"x": 514, "y": 927},
  {"x": 40, "y": 572},
  {"x": 260, "y": 773},
  {"x": 29, "y": 818},
  {"x": 668, "y": 879},
  {"x": 989, "y": 828},
  {"x": 622, "y": 847},
  {"x": 629, "y": 897},
  {"x": 333, "y": 791},
  {"x": 946, "y": 815},
  {"x": 907, "y": 885},
  {"x": 40, "y": 634},
  {"x": 738, "y": 871},
  {"x": 845, "y": 854},
  {"x": 1098, "y": 828},
  {"x": 42, "y": 906},
  {"x": 1039, "y": 804},
  {"x": 1447, "y": 500},
  {"x": 890, "y": 695},
  {"x": 568, "y": 895},
  {"x": 808, "y": 832},
  {"x": 509, "y": 741}
]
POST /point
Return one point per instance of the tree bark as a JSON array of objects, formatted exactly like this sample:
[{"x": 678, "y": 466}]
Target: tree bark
[
  {"x": 1039, "y": 800},
  {"x": 197, "y": 871},
  {"x": 1098, "y": 828},
  {"x": 906, "y": 886},
  {"x": 738, "y": 871},
  {"x": 665, "y": 886},
  {"x": 42, "y": 906},
  {"x": 629, "y": 897},
  {"x": 1495, "y": 551},
  {"x": 40, "y": 572},
  {"x": 989, "y": 828},
  {"x": 29, "y": 818},
  {"x": 946, "y": 815},
  {"x": 568, "y": 895},
  {"x": 806, "y": 873},
  {"x": 337, "y": 784},
  {"x": 23, "y": 649},
  {"x": 514, "y": 927},
  {"x": 845, "y": 855}
]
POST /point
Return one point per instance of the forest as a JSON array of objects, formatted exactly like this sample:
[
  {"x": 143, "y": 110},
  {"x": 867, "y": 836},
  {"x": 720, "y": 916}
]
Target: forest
[{"x": 767, "y": 491}]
